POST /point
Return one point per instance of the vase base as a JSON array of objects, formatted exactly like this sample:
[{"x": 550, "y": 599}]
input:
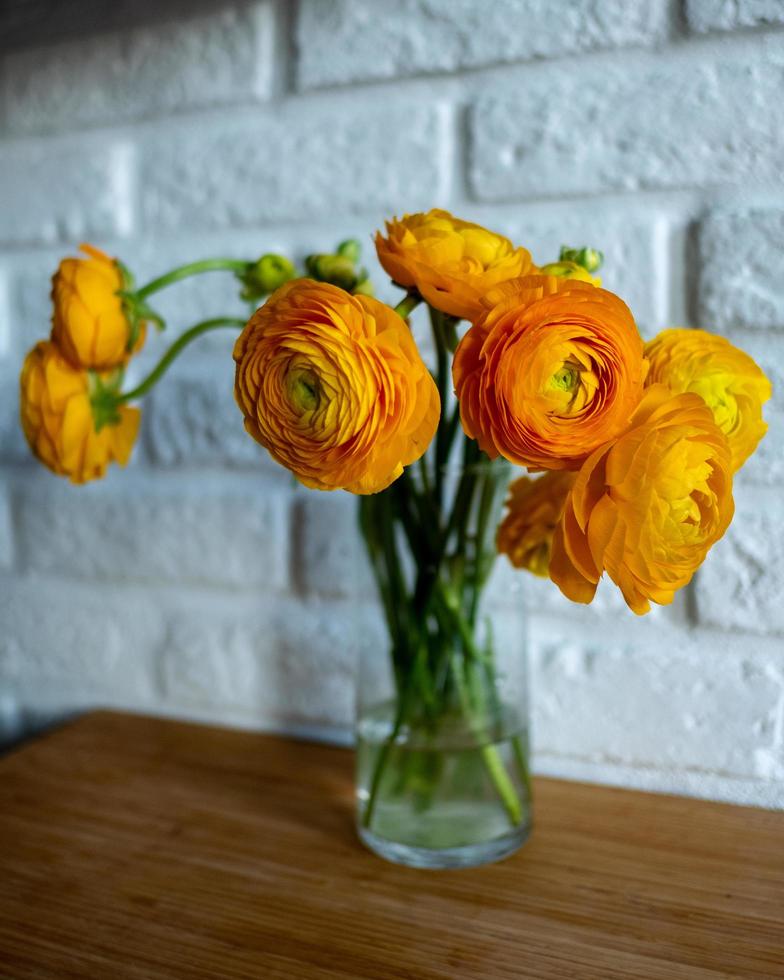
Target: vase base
[{"x": 468, "y": 856}]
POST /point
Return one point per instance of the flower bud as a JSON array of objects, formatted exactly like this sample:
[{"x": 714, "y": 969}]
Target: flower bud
[
  {"x": 350, "y": 249},
  {"x": 93, "y": 324},
  {"x": 336, "y": 269},
  {"x": 570, "y": 270},
  {"x": 364, "y": 287},
  {"x": 590, "y": 259},
  {"x": 266, "y": 275}
]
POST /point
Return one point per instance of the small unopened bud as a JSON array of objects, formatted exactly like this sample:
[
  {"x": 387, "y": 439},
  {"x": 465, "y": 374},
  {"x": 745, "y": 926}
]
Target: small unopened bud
[
  {"x": 590, "y": 259},
  {"x": 269, "y": 273},
  {"x": 335, "y": 269},
  {"x": 570, "y": 270},
  {"x": 350, "y": 249},
  {"x": 364, "y": 288}
]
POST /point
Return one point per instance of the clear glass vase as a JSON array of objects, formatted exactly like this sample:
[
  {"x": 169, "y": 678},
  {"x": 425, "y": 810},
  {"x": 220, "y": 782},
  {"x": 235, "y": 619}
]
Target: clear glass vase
[{"x": 442, "y": 737}]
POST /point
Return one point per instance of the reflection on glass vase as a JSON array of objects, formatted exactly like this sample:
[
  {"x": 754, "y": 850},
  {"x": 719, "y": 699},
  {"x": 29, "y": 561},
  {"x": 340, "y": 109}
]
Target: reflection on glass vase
[{"x": 442, "y": 738}]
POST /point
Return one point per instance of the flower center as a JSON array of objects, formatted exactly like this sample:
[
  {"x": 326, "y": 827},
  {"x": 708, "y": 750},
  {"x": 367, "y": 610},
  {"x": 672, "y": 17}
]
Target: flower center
[
  {"x": 566, "y": 378},
  {"x": 304, "y": 390}
]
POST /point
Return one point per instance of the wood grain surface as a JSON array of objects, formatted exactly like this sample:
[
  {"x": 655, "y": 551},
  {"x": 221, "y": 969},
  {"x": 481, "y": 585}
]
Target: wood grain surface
[{"x": 142, "y": 848}]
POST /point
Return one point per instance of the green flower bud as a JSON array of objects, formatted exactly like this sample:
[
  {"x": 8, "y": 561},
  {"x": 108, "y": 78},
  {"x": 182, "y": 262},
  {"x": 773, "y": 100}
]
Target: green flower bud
[
  {"x": 364, "y": 288},
  {"x": 350, "y": 249},
  {"x": 590, "y": 259},
  {"x": 268, "y": 273},
  {"x": 335, "y": 269},
  {"x": 570, "y": 270}
]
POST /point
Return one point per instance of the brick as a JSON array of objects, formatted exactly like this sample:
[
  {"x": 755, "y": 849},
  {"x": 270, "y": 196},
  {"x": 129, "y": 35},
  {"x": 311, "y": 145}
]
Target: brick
[
  {"x": 647, "y": 697},
  {"x": 85, "y": 643},
  {"x": 186, "y": 532},
  {"x": 633, "y": 247},
  {"x": 6, "y": 531},
  {"x": 555, "y": 132},
  {"x": 219, "y": 58},
  {"x": 318, "y": 648},
  {"x": 192, "y": 419},
  {"x": 766, "y": 465},
  {"x": 740, "y": 790},
  {"x": 12, "y": 443},
  {"x": 63, "y": 190},
  {"x": 288, "y": 664},
  {"x": 5, "y": 314},
  {"x": 768, "y": 351},
  {"x": 729, "y": 15},
  {"x": 215, "y": 663},
  {"x": 30, "y": 305},
  {"x": 329, "y": 553},
  {"x": 305, "y": 162},
  {"x": 343, "y": 41},
  {"x": 740, "y": 282},
  {"x": 740, "y": 585}
]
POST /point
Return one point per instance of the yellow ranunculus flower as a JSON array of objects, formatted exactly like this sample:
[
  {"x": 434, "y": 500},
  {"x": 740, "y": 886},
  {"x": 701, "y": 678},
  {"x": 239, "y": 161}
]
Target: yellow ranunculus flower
[
  {"x": 732, "y": 384},
  {"x": 525, "y": 535},
  {"x": 58, "y": 423},
  {"x": 451, "y": 262},
  {"x": 334, "y": 387},
  {"x": 89, "y": 323},
  {"x": 647, "y": 507},
  {"x": 570, "y": 270}
]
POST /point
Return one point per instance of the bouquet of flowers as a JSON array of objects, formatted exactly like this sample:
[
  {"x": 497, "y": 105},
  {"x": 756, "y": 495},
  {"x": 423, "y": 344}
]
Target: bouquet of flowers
[{"x": 629, "y": 450}]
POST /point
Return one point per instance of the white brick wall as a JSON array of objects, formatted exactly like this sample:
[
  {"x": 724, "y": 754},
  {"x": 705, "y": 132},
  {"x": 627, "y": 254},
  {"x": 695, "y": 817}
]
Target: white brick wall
[{"x": 200, "y": 582}]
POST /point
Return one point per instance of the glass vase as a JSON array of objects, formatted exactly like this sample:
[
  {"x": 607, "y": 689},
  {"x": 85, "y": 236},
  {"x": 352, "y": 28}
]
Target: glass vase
[{"x": 442, "y": 738}]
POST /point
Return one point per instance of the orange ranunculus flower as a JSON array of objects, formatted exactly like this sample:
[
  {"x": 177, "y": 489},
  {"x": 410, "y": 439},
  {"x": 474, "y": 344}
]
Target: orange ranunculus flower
[
  {"x": 551, "y": 370},
  {"x": 89, "y": 323},
  {"x": 451, "y": 262},
  {"x": 58, "y": 422},
  {"x": 730, "y": 381},
  {"x": 535, "y": 506},
  {"x": 334, "y": 387},
  {"x": 647, "y": 507}
]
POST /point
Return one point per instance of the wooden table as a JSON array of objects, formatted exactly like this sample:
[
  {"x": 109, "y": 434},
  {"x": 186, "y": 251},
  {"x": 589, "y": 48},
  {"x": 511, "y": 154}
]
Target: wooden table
[{"x": 141, "y": 848}]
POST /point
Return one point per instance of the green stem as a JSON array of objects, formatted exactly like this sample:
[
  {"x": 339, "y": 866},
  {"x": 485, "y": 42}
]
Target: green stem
[
  {"x": 191, "y": 269},
  {"x": 442, "y": 381},
  {"x": 484, "y": 550},
  {"x": 522, "y": 766},
  {"x": 170, "y": 355},
  {"x": 490, "y": 754},
  {"x": 408, "y": 304},
  {"x": 426, "y": 488},
  {"x": 386, "y": 748}
]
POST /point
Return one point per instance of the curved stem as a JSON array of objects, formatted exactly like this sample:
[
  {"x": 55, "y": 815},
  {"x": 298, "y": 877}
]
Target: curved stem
[
  {"x": 170, "y": 355},
  {"x": 191, "y": 269},
  {"x": 408, "y": 304}
]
